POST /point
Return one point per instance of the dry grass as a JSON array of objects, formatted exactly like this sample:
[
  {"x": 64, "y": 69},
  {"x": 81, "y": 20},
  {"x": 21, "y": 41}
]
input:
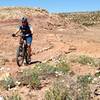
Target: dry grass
[
  {"x": 70, "y": 88},
  {"x": 7, "y": 83},
  {"x": 29, "y": 77},
  {"x": 82, "y": 59},
  {"x": 9, "y": 13},
  {"x": 85, "y": 18},
  {"x": 13, "y": 96}
]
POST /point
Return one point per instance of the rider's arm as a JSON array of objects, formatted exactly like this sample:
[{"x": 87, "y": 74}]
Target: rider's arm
[
  {"x": 17, "y": 31},
  {"x": 31, "y": 30}
]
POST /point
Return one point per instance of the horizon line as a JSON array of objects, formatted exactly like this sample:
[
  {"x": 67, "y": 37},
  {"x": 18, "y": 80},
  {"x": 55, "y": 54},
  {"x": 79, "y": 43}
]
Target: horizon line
[{"x": 31, "y": 7}]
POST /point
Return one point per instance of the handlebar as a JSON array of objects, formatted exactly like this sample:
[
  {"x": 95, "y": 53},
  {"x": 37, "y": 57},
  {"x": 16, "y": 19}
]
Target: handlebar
[
  {"x": 13, "y": 35},
  {"x": 21, "y": 35}
]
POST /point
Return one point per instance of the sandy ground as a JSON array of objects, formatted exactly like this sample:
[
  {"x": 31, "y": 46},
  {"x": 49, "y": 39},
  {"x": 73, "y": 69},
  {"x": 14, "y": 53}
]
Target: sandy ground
[{"x": 48, "y": 45}]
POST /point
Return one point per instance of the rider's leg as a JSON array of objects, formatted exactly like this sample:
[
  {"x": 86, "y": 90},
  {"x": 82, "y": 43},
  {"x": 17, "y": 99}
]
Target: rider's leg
[{"x": 29, "y": 42}]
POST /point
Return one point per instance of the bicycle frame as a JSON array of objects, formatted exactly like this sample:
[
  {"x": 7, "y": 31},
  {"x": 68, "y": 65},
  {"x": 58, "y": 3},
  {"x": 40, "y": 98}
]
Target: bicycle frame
[
  {"x": 22, "y": 51},
  {"x": 23, "y": 48}
]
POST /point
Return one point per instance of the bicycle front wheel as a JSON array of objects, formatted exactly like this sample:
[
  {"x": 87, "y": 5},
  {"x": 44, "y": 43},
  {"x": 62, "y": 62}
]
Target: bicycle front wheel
[
  {"x": 20, "y": 56},
  {"x": 27, "y": 57}
]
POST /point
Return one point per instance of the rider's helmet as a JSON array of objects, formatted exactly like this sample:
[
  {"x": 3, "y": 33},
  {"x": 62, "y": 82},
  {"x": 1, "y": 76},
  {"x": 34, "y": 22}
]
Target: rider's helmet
[{"x": 24, "y": 19}]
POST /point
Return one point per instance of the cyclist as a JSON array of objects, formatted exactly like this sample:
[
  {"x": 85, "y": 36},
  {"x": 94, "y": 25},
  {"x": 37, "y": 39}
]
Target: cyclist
[{"x": 26, "y": 30}]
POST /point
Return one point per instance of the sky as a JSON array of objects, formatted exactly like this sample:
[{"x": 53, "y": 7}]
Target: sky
[{"x": 56, "y": 5}]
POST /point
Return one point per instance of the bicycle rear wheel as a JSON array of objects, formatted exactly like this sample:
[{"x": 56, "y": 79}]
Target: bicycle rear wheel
[{"x": 20, "y": 56}]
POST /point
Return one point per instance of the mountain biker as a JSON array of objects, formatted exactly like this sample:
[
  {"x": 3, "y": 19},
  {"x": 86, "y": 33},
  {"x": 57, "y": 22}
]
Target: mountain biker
[{"x": 25, "y": 30}]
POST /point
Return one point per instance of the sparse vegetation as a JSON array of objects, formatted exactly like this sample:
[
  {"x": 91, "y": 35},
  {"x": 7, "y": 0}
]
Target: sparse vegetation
[
  {"x": 10, "y": 13},
  {"x": 14, "y": 96},
  {"x": 44, "y": 69},
  {"x": 61, "y": 67},
  {"x": 7, "y": 83},
  {"x": 85, "y": 18},
  {"x": 65, "y": 87},
  {"x": 85, "y": 80},
  {"x": 74, "y": 90},
  {"x": 83, "y": 59},
  {"x": 29, "y": 77},
  {"x": 61, "y": 90},
  {"x": 86, "y": 60},
  {"x": 32, "y": 76},
  {"x": 84, "y": 92}
]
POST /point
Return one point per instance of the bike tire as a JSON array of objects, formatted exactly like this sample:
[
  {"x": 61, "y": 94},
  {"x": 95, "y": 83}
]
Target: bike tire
[
  {"x": 20, "y": 54},
  {"x": 27, "y": 57}
]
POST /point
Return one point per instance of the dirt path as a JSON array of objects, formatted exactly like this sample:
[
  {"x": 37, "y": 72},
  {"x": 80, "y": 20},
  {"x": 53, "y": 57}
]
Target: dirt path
[{"x": 50, "y": 45}]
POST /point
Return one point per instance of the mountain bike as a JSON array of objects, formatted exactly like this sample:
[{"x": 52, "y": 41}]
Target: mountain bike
[{"x": 22, "y": 51}]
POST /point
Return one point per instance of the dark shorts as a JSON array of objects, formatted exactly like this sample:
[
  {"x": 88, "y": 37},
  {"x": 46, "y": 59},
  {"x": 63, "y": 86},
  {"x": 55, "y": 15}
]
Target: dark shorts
[{"x": 29, "y": 40}]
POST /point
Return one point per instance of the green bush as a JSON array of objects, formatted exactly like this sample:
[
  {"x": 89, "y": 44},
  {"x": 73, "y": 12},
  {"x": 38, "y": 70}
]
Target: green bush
[
  {"x": 85, "y": 80},
  {"x": 59, "y": 91},
  {"x": 47, "y": 69},
  {"x": 14, "y": 96},
  {"x": 85, "y": 60},
  {"x": 32, "y": 76},
  {"x": 29, "y": 77},
  {"x": 70, "y": 88},
  {"x": 7, "y": 83},
  {"x": 62, "y": 66},
  {"x": 84, "y": 92},
  {"x": 44, "y": 69}
]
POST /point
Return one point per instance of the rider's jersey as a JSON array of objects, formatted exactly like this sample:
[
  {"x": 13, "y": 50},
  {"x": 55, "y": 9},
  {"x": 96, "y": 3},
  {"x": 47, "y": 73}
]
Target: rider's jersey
[{"x": 25, "y": 30}]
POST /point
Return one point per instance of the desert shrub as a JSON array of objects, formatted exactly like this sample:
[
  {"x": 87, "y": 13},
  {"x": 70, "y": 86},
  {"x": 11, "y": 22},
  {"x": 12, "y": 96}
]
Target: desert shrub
[
  {"x": 84, "y": 92},
  {"x": 29, "y": 77},
  {"x": 85, "y": 80},
  {"x": 62, "y": 66},
  {"x": 85, "y": 60},
  {"x": 59, "y": 91},
  {"x": 57, "y": 94},
  {"x": 70, "y": 88},
  {"x": 7, "y": 83},
  {"x": 82, "y": 59},
  {"x": 70, "y": 58},
  {"x": 86, "y": 19},
  {"x": 44, "y": 68},
  {"x": 41, "y": 10},
  {"x": 32, "y": 76},
  {"x": 14, "y": 96},
  {"x": 47, "y": 69}
]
